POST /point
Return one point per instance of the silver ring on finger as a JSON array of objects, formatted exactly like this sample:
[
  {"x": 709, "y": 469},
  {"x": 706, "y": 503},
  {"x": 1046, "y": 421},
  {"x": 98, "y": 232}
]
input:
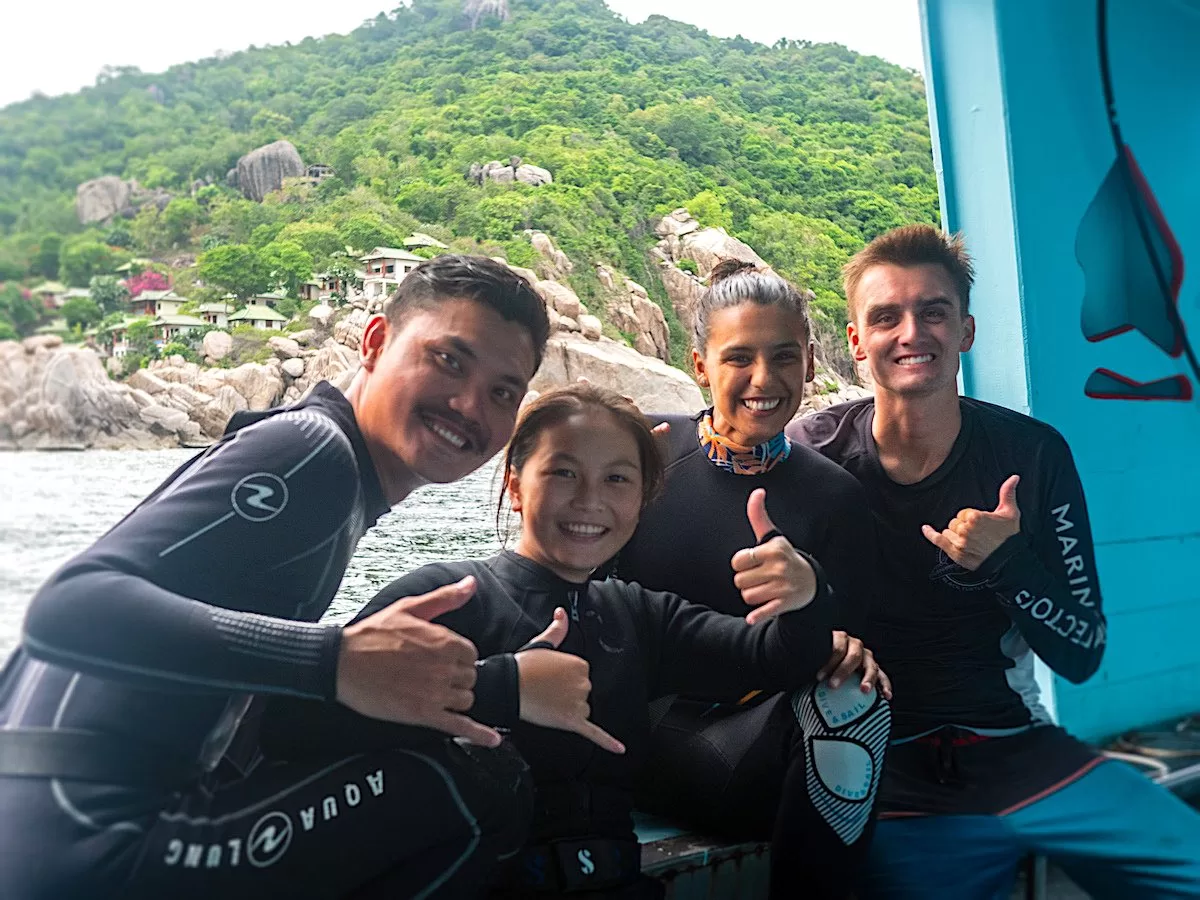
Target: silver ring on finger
[{"x": 754, "y": 556}]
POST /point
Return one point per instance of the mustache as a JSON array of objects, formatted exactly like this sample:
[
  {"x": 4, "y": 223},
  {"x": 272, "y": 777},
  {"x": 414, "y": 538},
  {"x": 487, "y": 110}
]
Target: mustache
[{"x": 475, "y": 432}]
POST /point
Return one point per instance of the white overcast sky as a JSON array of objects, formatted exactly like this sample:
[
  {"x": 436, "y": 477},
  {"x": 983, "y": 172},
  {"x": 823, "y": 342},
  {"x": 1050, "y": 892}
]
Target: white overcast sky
[{"x": 59, "y": 47}]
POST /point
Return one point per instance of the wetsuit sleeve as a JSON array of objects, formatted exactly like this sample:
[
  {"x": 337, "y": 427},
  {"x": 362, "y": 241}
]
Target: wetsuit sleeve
[
  {"x": 694, "y": 650},
  {"x": 1046, "y": 575},
  {"x": 183, "y": 593}
]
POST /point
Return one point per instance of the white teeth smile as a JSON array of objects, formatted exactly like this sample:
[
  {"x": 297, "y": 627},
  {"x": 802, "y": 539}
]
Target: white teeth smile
[
  {"x": 762, "y": 405},
  {"x": 582, "y": 530},
  {"x": 446, "y": 434},
  {"x": 915, "y": 360}
]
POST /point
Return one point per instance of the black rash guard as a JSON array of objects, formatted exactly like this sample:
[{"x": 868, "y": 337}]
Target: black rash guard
[
  {"x": 959, "y": 645},
  {"x": 687, "y": 537}
]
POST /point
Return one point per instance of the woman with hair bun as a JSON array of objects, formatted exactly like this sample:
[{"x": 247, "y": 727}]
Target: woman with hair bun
[{"x": 741, "y": 509}]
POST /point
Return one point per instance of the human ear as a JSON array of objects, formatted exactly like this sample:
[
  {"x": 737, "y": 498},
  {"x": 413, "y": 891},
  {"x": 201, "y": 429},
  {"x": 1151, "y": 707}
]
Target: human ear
[
  {"x": 855, "y": 341},
  {"x": 514, "y": 489},
  {"x": 698, "y": 365},
  {"x": 374, "y": 339}
]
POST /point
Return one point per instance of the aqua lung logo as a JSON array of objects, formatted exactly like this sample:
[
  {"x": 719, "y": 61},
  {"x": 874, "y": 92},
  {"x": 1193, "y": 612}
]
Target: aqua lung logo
[
  {"x": 259, "y": 497},
  {"x": 269, "y": 839}
]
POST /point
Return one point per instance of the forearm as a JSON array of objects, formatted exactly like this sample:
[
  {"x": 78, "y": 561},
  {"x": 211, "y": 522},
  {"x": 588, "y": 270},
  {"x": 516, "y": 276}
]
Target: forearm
[
  {"x": 119, "y": 626},
  {"x": 1059, "y": 617},
  {"x": 704, "y": 653}
]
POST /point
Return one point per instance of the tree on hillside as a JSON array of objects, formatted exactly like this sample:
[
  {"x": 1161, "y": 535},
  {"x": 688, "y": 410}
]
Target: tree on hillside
[
  {"x": 83, "y": 257},
  {"x": 149, "y": 280},
  {"x": 290, "y": 265},
  {"x": 108, "y": 292},
  {"x": 235, "y": 268},
  {"x": 81, "y": 312},
  {"x": 344, "y": 268},
  {"x": 18, "y": 310},
  {"x": 45, "y": 263}
]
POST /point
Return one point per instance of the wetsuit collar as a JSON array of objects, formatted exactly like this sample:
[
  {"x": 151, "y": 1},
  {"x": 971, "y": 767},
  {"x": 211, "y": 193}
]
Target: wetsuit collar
[
  {"x": 514, "y": 566},
  {"x": 725, "y": 454},
  {"x": 333, "y": 403}
]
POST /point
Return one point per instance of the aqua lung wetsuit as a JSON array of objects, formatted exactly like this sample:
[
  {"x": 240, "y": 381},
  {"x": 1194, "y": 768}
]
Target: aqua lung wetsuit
[
  {"x": 640, "y": 644},
  {"x": 116, "y": 646},
  {"x": 724, "y": 767},
  {"x": 978, "y": 777}
]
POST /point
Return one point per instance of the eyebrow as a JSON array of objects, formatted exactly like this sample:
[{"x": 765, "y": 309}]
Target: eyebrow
[
  {"x": 563, "y": 456},
  {"x": 463, "y": 348},
  {"x": 923, "y": 303},
  {"x": 743, "y": 348}
]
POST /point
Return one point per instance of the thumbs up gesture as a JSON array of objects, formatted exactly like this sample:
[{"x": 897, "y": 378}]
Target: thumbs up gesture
[
  {"x": 772, "y": 576},
  {"x": 555, "y": 687},
  {"x": 973, "y": 535}
]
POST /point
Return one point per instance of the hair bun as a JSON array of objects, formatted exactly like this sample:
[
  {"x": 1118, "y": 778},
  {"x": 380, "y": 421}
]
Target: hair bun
[{"x": 727, "y": 268}]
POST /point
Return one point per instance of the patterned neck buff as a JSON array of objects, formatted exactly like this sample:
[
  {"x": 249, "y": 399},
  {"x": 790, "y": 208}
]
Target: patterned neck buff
[{"x": 725, "y": 454}]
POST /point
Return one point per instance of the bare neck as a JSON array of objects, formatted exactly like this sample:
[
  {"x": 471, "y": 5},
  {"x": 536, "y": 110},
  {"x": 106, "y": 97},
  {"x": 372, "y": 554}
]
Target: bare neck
[
  {"x": 396, "y": 478},
  {"x": 914, "y": 435}
]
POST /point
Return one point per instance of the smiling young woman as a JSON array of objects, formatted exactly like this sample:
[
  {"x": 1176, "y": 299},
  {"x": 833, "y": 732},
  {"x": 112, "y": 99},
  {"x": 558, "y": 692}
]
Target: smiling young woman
[{"x": 745, "y": 769}]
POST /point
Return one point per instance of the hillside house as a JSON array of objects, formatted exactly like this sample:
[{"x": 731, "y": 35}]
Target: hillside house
[
  {"x": 385, "y": 268},
  {"x": 258, "y": 316}
]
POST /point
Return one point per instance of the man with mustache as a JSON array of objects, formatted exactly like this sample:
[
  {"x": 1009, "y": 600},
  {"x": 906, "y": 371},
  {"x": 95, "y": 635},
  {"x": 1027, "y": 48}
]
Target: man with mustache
[
  {"x": 987, "y": 560},
  {"x": 141, "y": 657}
]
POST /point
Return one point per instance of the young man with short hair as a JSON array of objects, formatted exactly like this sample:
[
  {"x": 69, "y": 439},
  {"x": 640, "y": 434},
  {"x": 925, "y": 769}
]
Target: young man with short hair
[
  {"x": 141, "y": 656},
  {"x": 987, "y": 560}
]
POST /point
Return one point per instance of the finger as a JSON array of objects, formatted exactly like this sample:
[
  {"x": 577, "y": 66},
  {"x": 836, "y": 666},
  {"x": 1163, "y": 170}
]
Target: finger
[
  {"x": 764, "y": 593},
  {"x": 958, "y": 526},
  {"x": 938, "y": 539},
  {"x": 468, "y": 729},
  {"x": 840, "y": 642},
  {"x": 600, "y": 737},
  {"x": 661, "y": 430},
  {"x": 765, "y": 613},
  {"x": 756, "y": 512},
  {"x": 460, "y": 701},
  {"x": 1008, "y": 497},
  {"x": 556, "y": 631},
  {"x": 885, "y": 684},
  {"x": 749, "y": 578},
  {"x": 745, "y": 559},
  {"x": 441, "y": 601},
  {"x": 870, "y": 674},
  {"x": 850, "y": 664}
]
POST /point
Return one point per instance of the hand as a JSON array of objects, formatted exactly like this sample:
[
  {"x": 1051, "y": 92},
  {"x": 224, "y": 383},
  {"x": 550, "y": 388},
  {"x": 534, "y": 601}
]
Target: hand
[
  {"x": 397, "y": 665},
  {"x": 849, "y": 656},
  {"x": 555, "y": 688},
  {"x": 972, "y": 536},
  {"x": 772, "y": 577}
]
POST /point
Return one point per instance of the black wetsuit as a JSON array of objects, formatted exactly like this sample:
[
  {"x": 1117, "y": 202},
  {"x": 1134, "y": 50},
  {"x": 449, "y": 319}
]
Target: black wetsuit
[
  {"x": 959, "y": 645},
  {"x": 640, "y": 644},
  {"x": 155, "y": 641},
  {"x": 724, "y": 767}
]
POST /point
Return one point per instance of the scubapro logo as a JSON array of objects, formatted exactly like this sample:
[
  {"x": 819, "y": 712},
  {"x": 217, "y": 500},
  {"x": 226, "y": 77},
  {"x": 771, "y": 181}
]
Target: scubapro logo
[
  {"x": 585, "y": 862},
  {"x": 269, "y": 839},
  {"x": 259, "y": 497}
]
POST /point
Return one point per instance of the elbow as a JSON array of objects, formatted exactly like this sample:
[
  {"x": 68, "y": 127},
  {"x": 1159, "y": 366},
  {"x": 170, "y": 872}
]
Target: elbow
[{"x": 1084, "y": 667}]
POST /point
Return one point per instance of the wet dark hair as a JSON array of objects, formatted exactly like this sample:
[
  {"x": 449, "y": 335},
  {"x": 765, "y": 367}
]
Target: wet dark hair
[
  {"x": 559, "y": 404},
  {"x": 733, "y": 282},
  {"x": 478, "y": 278}
]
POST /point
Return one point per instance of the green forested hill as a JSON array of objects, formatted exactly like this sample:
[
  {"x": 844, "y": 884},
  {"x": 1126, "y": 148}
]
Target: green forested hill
[{"x": 804, "y": 151}]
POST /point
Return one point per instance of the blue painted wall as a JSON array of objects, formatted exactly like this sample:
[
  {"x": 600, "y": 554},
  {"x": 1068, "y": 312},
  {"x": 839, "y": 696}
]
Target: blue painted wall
[{"x": 1022, "y": 144}]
